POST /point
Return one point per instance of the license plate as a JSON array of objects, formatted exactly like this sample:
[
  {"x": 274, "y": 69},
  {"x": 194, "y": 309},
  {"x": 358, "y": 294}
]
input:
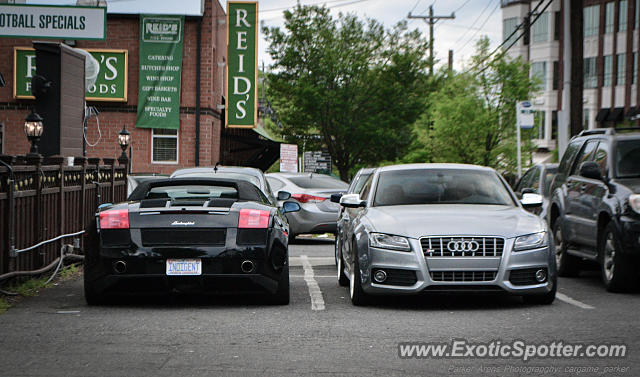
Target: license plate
[{"x": 184, "y": 267}]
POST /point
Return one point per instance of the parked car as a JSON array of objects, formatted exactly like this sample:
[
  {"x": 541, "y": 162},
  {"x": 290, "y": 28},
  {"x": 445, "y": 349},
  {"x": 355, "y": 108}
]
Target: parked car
[
  {"x": 134, "y": 179},
  {"x": 252, "y": 175},
  {"x": 595, "y": 206},
  {"x": 312, "y": 191},
  {"x": 537, "y": 180},
  {"x": 443, "y": 227},
  {"x": 189, "y": 235},
  {"x": 356, "y": 185}
]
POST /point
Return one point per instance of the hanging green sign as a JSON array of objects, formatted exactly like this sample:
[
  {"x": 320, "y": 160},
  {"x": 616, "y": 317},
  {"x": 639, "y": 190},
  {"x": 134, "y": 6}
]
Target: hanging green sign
[
  {"x": 110, "y": 86},
  {"x": 160, "y": 69},
  {"x": 242, "y": 68}
]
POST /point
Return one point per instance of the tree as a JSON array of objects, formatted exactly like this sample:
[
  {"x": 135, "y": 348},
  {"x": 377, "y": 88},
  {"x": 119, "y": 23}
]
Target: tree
[
  {"x": 472, "y": 116},
  {"x": 347, "y": 84}
]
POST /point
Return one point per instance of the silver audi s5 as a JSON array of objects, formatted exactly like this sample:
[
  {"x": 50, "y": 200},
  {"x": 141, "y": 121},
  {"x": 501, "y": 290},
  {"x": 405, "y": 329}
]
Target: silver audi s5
[{"x": 443, "y": 227}]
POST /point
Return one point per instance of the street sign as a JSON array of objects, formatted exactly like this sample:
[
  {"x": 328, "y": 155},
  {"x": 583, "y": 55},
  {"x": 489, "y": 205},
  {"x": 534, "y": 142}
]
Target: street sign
[
  {"x": 53, "y": 21},
  {"x": 317, "y": 162},
  {"x": 289, "y": 158},
  {"x": 525, "y": 115},
  {"x": 110, "y": 86},
  {"x": 524, "y": 120},
  {"x": 242, "y": 65}
]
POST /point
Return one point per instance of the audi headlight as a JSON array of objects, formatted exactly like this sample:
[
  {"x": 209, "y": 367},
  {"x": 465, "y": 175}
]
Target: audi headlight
[
  {"x": 388, "y": 241},
  {"x": 530, "y": 241},
  {"x": 634, "y": 202}
]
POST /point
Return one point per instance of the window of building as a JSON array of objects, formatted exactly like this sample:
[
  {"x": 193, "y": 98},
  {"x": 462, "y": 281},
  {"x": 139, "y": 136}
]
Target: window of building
[
  {"x": 164, "y": 146},
  {"x": 609, "y": 13},
  {"x": 608, "y": 70},
  {"x": 591, "y": 20},
  {"x": 622, "y": 15},
  {"x": 539, "y": 70},
  {"x": 585, "y": 119},
  {"x": 590, "y": 73},
  {"x": 508, "y": 27},
  {"x": 540, "y": 29},
  {"x": 621, "y": 71},
  {"x": 1, "y": 138},
  {"x": 538, "y": 129},
  {"x": 556, "y": 75},
  {"x": 556, "y": 26},
  {"x": 554, "y": 125}
]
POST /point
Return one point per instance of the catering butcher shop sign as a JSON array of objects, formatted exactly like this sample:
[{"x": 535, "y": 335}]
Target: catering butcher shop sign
[
  {"x": 52, "y": 21},
  {"x": 242, "y": 68}
]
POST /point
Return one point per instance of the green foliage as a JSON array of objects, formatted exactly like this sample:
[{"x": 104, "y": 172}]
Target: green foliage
[
  {"x": 32, "y": 286},
  {"x": 471, "y": 117},
  {"x": 353, "y": 83},
  {"x": 4, "y": 305}
]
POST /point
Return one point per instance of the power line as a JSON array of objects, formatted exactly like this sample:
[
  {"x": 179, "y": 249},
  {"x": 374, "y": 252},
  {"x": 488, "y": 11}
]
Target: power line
[
  {"x": 481, "y": 26},
  {"x": 503, "y": 52},
  {"x": 316, "y": 3},
  {"x": 474, "y": 22},
  {"x": 461, "y": 6},
  {"x": 415, "y": 6}
]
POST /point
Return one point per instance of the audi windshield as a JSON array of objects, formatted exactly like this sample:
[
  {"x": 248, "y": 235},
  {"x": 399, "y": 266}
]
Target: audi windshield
[{"x": 441, "y": 186}]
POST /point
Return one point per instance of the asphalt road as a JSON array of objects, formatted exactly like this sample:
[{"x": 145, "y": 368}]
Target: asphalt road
[{"x": 320, "y": 332}]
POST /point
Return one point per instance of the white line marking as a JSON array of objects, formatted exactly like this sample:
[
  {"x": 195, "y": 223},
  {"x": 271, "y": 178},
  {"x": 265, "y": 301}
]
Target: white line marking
[
  {"x": 68, "y": 311},
  {"x": 315, "y": 276},
  {"x": 569, "y": 300},
  {"x": 317, "y": 302},
  {"x": 314, "y": 261}
]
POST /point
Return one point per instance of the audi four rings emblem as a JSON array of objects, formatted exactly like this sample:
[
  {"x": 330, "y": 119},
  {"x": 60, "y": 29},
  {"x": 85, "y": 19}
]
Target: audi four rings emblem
[{"x": 463, "y": 246}]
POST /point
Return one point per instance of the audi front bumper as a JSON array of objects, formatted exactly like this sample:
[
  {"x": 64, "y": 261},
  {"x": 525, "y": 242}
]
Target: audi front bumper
[{"x": 411, "y": 272}]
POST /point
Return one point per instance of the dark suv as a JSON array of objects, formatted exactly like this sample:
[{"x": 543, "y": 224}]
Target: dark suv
[{"x": 595, "y": 206}]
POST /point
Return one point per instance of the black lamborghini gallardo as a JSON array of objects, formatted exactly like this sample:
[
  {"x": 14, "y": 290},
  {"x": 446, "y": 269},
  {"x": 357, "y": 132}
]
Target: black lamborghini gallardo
[{"x": 198, "y": 235}]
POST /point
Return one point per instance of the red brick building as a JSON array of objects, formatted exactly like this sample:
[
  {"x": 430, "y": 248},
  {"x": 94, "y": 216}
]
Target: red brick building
[{"x": 157, "y": 151}]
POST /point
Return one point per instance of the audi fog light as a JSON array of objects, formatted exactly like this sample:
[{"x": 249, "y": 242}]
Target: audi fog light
[
  {"x": 541, "y": 276},
  {"x": 387, "y": 241},
  {"x": 530, "y": 241},
  {"x": 634, "y": 202},
  {"x": 380, "y": 276}
]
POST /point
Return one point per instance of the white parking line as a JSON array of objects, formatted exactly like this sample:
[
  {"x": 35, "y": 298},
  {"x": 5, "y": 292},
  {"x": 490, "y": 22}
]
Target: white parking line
[
  {"x": 569, "y": 300},
  {"x": 314, "y": 261},
  {"x": 317, "y": 302},
  {"x": 316, "y": 276}
]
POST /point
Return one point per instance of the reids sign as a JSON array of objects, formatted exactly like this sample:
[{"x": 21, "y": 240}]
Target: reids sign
[
  {"x": 110, "y": 86},
  {"x": 242, "y": 66}
]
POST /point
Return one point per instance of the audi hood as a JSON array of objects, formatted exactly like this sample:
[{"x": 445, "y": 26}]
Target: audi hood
[{"x": 416, "y": 221}]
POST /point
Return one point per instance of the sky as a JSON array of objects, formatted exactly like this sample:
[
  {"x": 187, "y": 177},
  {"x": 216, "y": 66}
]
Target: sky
[{"x": 474, "y": 18}]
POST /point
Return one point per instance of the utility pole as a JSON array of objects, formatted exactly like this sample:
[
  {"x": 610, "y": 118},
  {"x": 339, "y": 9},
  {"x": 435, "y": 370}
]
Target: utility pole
[{"x": 431, "y": 20}]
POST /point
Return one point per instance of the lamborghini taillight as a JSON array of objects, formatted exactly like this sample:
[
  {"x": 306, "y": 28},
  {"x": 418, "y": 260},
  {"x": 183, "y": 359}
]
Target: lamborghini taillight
[
  {"x": 253, "y": 218},
  {"x": 114, "y": 219}
]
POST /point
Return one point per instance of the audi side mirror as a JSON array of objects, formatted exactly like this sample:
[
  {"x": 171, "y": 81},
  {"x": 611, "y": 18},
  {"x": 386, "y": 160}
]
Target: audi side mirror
[
  {"x": 283, "y": 195},
  {"x": 591, "y": 170},
  {"x": 352, "y": 201},
  {"x": 290, "y": 207},
  {"x": 336, "y": 197},
  {"x": 531, "y": 200}
]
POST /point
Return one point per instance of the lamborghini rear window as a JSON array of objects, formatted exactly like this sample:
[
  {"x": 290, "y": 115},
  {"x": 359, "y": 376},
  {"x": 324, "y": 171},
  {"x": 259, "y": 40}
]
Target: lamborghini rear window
[{"x": 192, "y": 192}]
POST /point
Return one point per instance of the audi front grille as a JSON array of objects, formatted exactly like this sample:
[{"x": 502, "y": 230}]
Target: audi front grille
[
  {"x": 465, "y": 276},
  {"x": 462, "y": 246}
]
